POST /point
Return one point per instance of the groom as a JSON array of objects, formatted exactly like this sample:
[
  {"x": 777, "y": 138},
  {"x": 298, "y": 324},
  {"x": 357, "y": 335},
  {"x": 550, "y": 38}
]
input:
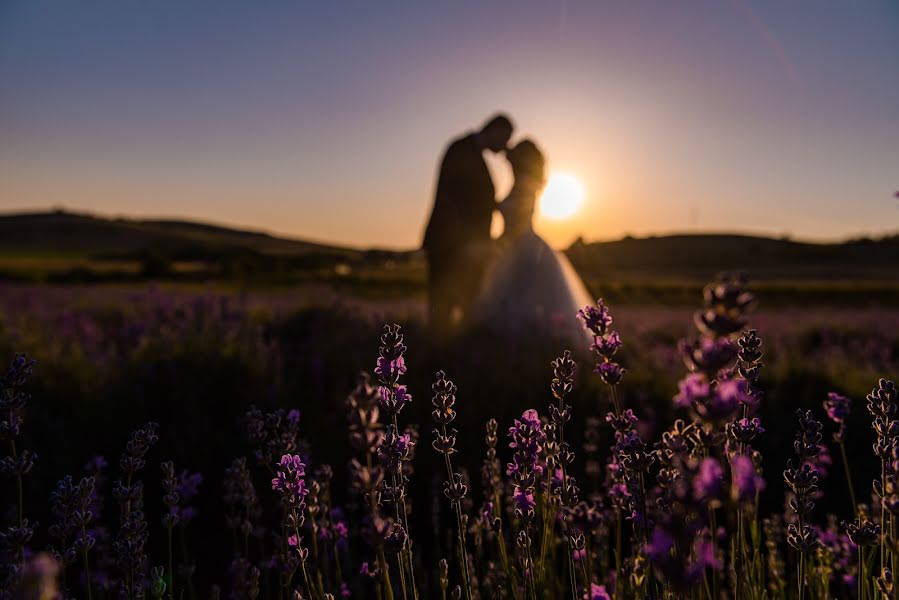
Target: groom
[{"x": 457, "y": 238}]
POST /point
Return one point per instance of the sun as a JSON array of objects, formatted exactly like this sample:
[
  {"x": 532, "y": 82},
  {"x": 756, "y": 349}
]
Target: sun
[{"x": 562, "y": 197}]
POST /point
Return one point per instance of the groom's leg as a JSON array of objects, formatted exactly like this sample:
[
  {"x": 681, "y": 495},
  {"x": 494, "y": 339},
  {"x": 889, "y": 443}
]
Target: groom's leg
[
  {"x": 469, "y": 287},
  {"x": 440, "y": 295}
]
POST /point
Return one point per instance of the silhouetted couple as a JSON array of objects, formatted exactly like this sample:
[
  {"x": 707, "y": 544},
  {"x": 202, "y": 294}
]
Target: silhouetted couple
[{"x": 516, "y": 284}]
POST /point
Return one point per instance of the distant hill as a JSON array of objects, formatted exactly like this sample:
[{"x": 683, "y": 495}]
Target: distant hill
[
  {"x": 676, "y": 257},
  {"x": 78, "y": 235},
  {"x": 63, "y": 247}
]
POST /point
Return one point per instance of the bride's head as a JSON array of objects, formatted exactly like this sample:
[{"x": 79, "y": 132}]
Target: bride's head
[{"x": 527, "y": 163}]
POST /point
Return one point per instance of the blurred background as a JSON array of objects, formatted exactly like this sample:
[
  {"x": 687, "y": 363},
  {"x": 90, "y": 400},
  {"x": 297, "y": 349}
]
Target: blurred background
[{"x": 206, "y": 206}]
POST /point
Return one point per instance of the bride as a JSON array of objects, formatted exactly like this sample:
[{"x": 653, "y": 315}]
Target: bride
[{"x": 529, "y": 286}]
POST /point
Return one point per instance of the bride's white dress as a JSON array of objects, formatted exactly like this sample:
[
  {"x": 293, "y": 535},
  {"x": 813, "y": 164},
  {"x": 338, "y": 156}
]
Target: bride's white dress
[{"x": 529, "y": 288}]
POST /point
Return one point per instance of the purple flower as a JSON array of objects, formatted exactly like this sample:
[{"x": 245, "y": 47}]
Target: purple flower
[
  {"x": 403, "y": 443},
  {"x": 524, "y": 500},
  {"x": 607, "y": 345},
  {"x": 596, "y": 318},
  {"x": 693, "y": 388},
  {"x": 709, "y": 355},
  {"x": 527, "y": 439},
  {"x": 837, "y": 407},
  {"x": 393, "y": 399},
  {"x": 747, "y": 483},
  {"x": 610, "y": 372},
  {"x": 708, "y": 482},
  {"x": 531, "y": 417},
  {"x": 623, "y": 423},
  {"x": 395, "y": 448},
  {"x": 370, "y": 570},
  {"x": 390, "y": 370},
  {"x": 598, "y": 592},
  {"x": 189, "y": 484},
  {"x": 745, "y": 430},
  {"x": 289, "y": 480},
  {"x": 717, "y": 400},
  {"x": 660, "y": 544},
  {"x": 705, "y": 555},
  {"x": 487, "y": 513},
  {"x": 730, "y": 394},
  {"x": 390, "y": 355}
]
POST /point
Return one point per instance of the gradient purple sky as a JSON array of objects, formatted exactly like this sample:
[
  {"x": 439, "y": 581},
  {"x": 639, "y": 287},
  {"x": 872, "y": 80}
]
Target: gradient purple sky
[{"x": 326, "y": 120}]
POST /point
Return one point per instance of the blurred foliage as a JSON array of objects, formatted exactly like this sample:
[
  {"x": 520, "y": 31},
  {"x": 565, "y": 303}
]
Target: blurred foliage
[{"x": 110, "y": 359}]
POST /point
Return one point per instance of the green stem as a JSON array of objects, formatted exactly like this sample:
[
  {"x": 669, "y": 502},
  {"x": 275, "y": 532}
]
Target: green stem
[
  {"x": 171, "y": 571},
  {"x": 400, "y": 509},
  {"x": 459, "y": 527},
  {"x": 572, "y": 578},
  {"x": 714, "y": 526},
  {"x": 848, "y": 477},
  {"x": 529, "y": 572},
  {"x": 504, "y": 557},
  {"x": 20, "y": 497},
  {"x": 544, "y": 538},
  {"x": 185, "y": 560},
  {"x": 861, "y": 575},
  {"x": 382, "y": 562},
  {"x": 618, "y": 584},
  {"x": 87, "y": 567}
]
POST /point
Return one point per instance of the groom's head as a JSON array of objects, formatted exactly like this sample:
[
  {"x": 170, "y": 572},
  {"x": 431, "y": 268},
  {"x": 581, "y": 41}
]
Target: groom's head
[{"x": 495, "y": 134}]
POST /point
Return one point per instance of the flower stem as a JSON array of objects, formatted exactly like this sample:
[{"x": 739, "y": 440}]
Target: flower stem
[
  {"x": 848, "y": 477},
  {"x": 87, "y": 566},
  {"x": 171, "y": 571}
]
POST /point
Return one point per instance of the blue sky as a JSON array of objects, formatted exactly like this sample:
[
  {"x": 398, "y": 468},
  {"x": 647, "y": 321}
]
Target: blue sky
[{"x": 327, "y": 119}]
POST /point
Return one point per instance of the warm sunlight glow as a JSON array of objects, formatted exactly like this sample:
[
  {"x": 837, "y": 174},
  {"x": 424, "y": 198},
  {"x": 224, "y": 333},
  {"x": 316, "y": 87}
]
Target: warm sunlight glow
[{"x": 562, "y": 197}]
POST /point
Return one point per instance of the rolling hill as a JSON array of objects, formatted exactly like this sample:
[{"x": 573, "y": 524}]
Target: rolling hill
[
  {"x": 676, "y": 257},
  {"x": 73, "y": 234},
  {"x": 63, "y": 246}
]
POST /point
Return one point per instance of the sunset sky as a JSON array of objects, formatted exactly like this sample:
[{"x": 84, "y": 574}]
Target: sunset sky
[{"x": 326, "y": 120}]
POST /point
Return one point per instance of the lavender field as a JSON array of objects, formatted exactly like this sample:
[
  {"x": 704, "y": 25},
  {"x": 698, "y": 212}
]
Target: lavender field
[{"x": 184, "y": 443}]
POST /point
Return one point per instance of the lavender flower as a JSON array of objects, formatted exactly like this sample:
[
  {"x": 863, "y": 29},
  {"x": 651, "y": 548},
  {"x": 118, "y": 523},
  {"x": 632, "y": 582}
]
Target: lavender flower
[
  {"x": 726, "y": 304},
  {"x": 862, "y": 532},
  {"x": 132, "y": 536},
  {"x": 390, "y": 366},
  {"x": 749, "y": 363},
  {"x": 597, "y": 318},
  {"x": 598, "y": 592},
  {"x": 743, "y": 431},
  {"x": 708, "y": 484},
  {"x": 362, "y": 415},
  {"x": 712, "y": 400},
  {"x": 746, "y": 483},
  {"x": 289, "y": 481},
  {"x": 273, "y": 434},
  {"x": 13, "y": 401},
  {"x": 188, "y": 486},
  {"x": 802, "y": 480},
  {"x": 527, "y": 440},
  {"x": 242, "y": 506},
  {"x": 837, "y": 407},
  {"x": 606, "y": 342},
  {"x": 395, "y": 449}
]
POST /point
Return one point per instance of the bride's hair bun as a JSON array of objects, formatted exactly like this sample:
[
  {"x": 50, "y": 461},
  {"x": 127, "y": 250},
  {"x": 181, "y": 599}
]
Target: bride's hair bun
[{"x": 527, "y": 160}]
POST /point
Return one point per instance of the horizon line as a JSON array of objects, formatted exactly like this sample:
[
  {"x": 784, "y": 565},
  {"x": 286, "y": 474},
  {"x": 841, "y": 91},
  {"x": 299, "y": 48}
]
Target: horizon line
[{"x": 239, "y": 228}]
